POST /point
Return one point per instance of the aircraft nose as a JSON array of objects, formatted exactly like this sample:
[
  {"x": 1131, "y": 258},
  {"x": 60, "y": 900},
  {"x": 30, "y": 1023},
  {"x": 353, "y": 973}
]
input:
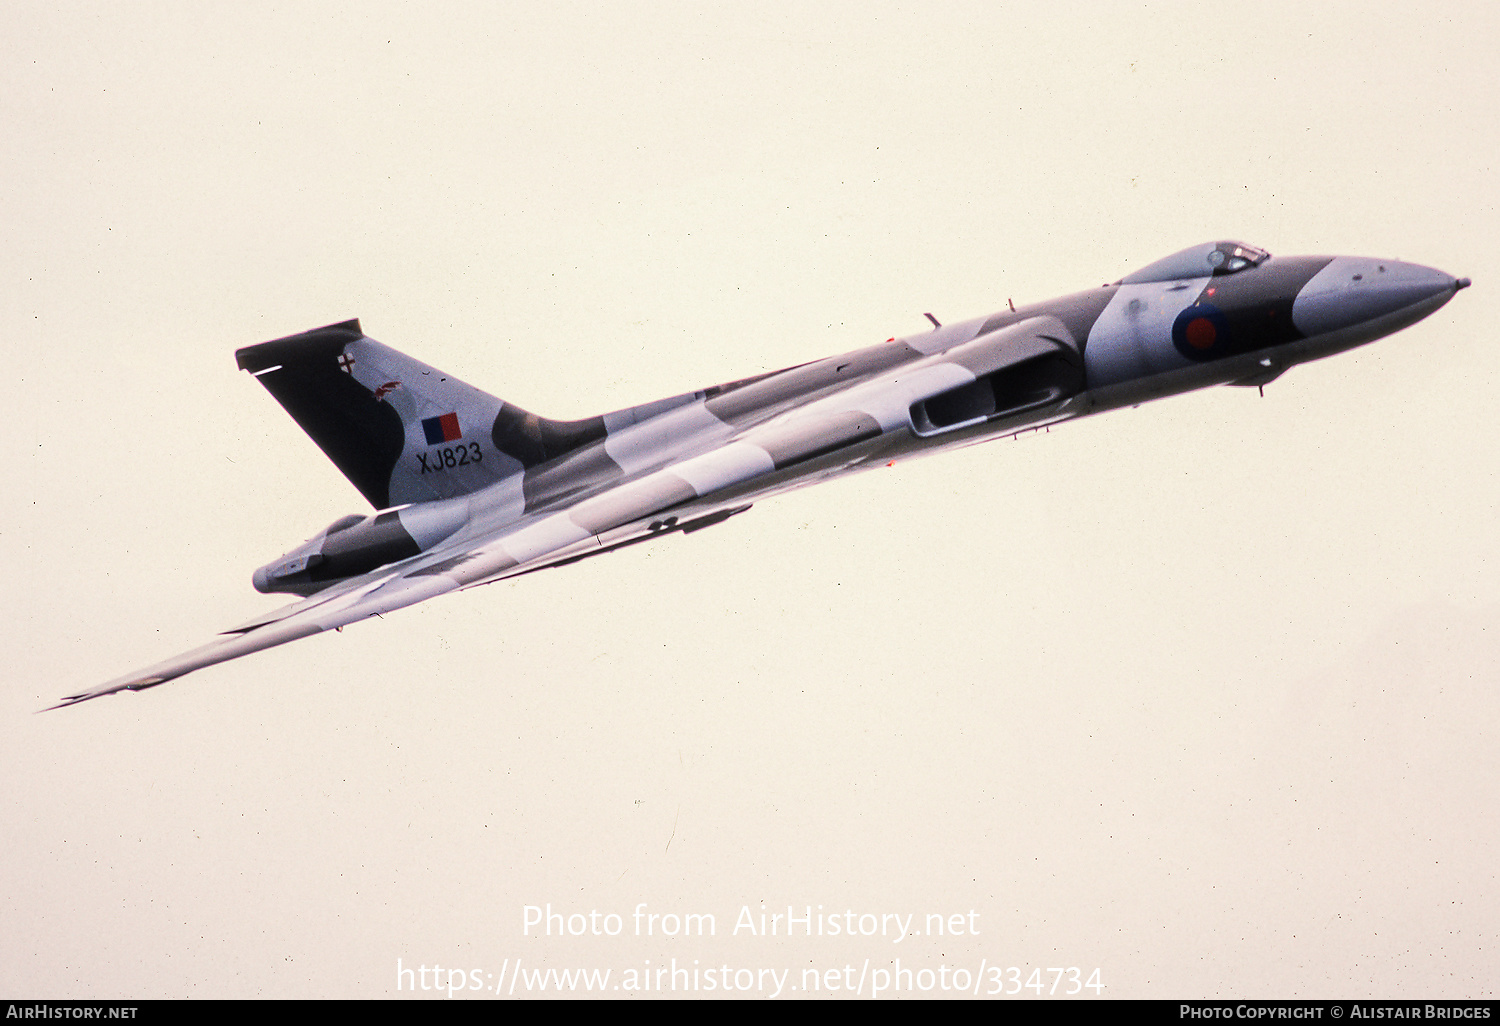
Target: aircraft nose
[{"x": 1353, "y": 290}]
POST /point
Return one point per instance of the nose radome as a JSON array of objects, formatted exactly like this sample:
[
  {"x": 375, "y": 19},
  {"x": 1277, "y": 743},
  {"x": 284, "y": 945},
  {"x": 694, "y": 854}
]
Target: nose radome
[{"x": 1351, "y": 290}]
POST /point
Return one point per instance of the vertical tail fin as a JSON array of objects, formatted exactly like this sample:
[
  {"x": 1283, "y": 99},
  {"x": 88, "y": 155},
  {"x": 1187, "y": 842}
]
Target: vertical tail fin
[{"x": 399, "y": 430}]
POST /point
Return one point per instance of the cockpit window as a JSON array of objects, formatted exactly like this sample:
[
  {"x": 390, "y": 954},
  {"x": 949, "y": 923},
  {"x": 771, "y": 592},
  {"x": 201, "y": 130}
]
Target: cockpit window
[{"x": 1206, "y": 260}]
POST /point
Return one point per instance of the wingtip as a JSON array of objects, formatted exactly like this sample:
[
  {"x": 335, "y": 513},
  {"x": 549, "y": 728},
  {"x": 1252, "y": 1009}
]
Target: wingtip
[
  {"x": 136, "y": 684},
  {"x": 70, "y": 700}
]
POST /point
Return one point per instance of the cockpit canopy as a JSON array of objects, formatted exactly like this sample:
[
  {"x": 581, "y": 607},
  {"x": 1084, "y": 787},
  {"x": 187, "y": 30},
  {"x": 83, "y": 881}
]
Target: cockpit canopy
[{"x": 1201, "y": 261}]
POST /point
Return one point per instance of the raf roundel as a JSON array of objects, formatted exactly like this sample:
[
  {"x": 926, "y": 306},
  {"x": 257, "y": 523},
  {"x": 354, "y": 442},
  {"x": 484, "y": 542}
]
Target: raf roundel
[{"x": 1201, "y": 332}]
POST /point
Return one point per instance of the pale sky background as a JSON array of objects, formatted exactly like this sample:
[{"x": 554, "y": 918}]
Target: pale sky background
[{"x": 1201, "y": 694}]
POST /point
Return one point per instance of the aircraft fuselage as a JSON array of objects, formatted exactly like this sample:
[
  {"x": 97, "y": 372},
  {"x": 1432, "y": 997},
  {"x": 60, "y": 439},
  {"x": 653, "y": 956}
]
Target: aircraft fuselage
[{"x": 471, "y": 489}]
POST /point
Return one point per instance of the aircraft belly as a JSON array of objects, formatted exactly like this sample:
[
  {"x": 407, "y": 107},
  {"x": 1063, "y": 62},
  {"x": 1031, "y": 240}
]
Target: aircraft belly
[
  {"x": 632, "y": 502},
  {"x": 548, "y": 535}
]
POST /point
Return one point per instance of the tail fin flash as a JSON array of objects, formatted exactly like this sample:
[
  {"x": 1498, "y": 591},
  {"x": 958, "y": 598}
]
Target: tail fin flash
[{"x": 399, "y": 430}]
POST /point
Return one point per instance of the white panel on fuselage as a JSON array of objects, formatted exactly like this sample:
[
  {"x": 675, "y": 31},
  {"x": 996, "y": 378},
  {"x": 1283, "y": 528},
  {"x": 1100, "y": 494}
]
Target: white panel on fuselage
[
  {"x": 550, "y": 534},
  {"x": 658, "y": 441},
  {"x": 736, "y": 462},
  {"x": 1133, "y": 336}
]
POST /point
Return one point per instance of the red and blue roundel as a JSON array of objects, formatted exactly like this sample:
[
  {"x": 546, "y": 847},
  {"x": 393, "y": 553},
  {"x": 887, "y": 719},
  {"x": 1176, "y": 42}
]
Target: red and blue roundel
[{"x": 1201, "y": 332}]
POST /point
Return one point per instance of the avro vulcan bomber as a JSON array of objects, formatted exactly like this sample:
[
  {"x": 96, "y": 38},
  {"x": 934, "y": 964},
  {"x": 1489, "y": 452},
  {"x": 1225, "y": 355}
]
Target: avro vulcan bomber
[{"x": 469, "y": 489}]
